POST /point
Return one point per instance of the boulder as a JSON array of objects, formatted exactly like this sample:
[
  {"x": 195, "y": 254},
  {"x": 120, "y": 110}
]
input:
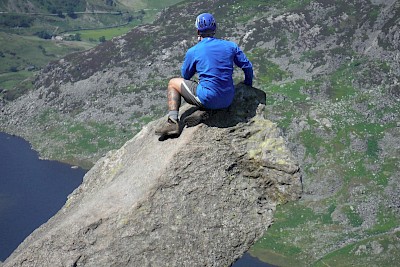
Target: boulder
[{"x": 198, "y": 200}]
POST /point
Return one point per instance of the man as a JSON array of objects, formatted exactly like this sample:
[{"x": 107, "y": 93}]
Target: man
[{"x": 213, "y": 61}]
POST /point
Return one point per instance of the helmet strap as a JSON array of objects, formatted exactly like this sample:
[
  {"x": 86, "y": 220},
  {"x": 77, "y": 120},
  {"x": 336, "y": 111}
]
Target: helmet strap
[{"x": 200, "y": 35}]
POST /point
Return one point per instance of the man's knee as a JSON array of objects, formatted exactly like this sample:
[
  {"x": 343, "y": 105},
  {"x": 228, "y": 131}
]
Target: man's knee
[{"x": 175, "y": 83}]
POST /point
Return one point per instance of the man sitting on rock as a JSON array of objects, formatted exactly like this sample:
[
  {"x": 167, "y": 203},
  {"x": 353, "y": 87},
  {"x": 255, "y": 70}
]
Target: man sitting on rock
[{"x": 213, "y": 60}]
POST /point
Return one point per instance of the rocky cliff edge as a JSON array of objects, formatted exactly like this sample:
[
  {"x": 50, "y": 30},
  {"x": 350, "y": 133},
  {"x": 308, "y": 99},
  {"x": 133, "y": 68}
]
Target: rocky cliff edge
[{"x": 198, "y": 200}]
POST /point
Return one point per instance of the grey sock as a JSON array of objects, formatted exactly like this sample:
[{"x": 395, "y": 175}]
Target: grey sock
[{"x": 173, "y": 114}]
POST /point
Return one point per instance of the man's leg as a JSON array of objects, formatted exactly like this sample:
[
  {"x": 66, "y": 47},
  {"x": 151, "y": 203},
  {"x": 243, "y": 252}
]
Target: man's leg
[
  {"x": 171, "y": 127},
  {"x": 174, "y": 97}
]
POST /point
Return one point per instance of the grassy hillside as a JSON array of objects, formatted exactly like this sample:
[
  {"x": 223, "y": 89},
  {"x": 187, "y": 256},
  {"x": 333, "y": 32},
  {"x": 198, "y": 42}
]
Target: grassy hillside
[
  {"x": 23, "y": 27},
  {"x": 338, "y": 106},
  {"x": 23, "y": 56},
  {"x": 348, "y": 215},
  {"x": 45, "y": 6},
  {"x": 55, "y": 16},
  {"x": 147, "y": 4}
]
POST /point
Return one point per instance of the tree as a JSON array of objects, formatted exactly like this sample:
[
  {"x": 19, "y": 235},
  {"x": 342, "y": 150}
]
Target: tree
[
  {"x": 77, "y": 37},
  {"x": 43, "y": 35},
  {"x": 60, "y": 14},
  {"x": 13, "y": 69},
  {"x": 102, "y": 39},
  {"x": 71, "y": 13},
  {"x": 16, "y": 21},
  {"x": 110, "y": 3}
]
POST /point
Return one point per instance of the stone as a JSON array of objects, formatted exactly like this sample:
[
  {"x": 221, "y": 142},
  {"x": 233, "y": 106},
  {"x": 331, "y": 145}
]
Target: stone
[{"x": 198, "y": 200}]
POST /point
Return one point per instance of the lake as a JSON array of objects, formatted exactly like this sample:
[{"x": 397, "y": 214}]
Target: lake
[{"x": 33, "y": 190}]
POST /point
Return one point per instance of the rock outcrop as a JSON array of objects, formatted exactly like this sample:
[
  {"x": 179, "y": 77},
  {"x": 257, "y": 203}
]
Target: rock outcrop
[{"x": 198, "y": 200}]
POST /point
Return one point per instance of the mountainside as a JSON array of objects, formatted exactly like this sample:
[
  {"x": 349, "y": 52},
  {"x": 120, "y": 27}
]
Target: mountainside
[
  {"x": 32, "y": 33},
  {"x": 61, "y": 15},
  {"x": 331, "y": 73},
  {"x": 176, "y": 202}
]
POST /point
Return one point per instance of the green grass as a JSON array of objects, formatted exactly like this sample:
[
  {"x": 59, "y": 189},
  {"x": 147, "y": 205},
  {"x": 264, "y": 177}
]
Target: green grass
[
  {"x": 90, "y": 35},
  {"x": 148, "y": 4},
  {"x": 293, "y": 4},
  {"x": 292, "y": 90},
  {"x": 47, "y": 6},
  {"x": 386, "y": 220},
  {"x": 77, "y": 139},
  {"x": 21, "y": 52},
  {"x": 312, "y": 55},
  {"x": 11, "y": 79},
  {"x": 273, "y": 240},
  {"x": 374, "y": 251},
  {"x": 285, "y": 4},
  {"x": 341, "y": 83},
  {"x": 90, "y": 138},
  {"x": 326, "y": 218},
  {"x": 109, "y": 33},
  {"x": 354, "y": 218},
  {"x": 355, "y": 163},
  {"x": 267, "y": 70},
  {"x": 312, "y": 142},
  {"x": 19, "y": 49},
  {"x": 336, "y": 258},
  {"x": 275, "y": 246},
  {"x": 289, "y": 240},
  {"x": 388, "y": 168}
]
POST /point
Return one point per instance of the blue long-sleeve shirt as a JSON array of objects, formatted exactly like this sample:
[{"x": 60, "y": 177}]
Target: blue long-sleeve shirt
[{"x": 213, "y": 60}]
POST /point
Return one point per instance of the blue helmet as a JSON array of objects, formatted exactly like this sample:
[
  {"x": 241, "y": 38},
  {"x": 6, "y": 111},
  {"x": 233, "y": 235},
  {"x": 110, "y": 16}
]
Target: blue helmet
[{"x": 205, "y": 22}]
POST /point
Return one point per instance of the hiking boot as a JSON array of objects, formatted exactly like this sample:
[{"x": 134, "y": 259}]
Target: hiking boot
[
  {"x": 170, "y": 127},
  {"x": 196, "y": 118}
]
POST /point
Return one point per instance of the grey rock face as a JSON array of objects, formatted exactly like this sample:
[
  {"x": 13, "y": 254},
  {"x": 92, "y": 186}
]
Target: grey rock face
[{"x": 198, "y": 200}]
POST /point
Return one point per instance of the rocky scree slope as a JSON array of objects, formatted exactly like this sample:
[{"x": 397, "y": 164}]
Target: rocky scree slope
[
  {"x": 340, "y": 113},
  {"x": 198, "y": 200}
]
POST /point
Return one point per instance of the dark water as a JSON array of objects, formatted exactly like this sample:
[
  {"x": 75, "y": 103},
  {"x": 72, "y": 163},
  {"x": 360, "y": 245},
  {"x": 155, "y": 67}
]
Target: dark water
[
  {"x": 248, "y": 261},
  {"x": 33, "y": 190}
]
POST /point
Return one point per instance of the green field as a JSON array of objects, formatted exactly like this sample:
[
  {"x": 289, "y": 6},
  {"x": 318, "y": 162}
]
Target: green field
[
  {"x": 148, "y": 4},
  {"x": 22, "y": 53},
  {"x": 108, "y": 34},
  {"x": 22, "y": 56}
]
